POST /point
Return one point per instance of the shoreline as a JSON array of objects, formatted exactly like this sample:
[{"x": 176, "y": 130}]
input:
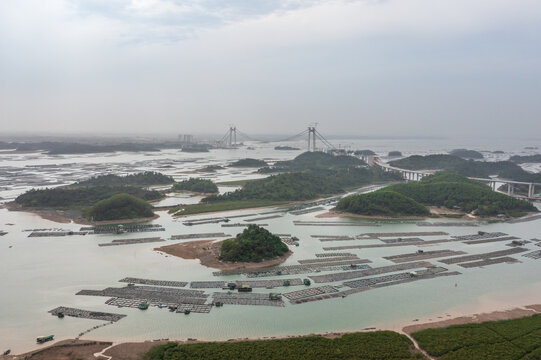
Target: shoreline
[
  {"x": 135, "y": 349},
  {"x": 207, "y": 252}
]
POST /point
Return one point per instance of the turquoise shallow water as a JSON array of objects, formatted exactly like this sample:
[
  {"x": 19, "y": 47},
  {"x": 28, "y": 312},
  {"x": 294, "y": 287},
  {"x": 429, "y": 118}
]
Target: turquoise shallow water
[{"x": 39, "y": 274}]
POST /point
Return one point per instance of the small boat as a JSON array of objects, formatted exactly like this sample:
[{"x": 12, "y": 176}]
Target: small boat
[
  {"x": 60, "y": 315},
  {"x": 219, "y": 304},
  {"x": 43, "y": 339},
  {"x": 306, "y": 282},
  {"x": 245, "y": 288},
  {"x": 187, "y": 311},
  {"x": 7, "y": 352},
  {"x": 143, "y": 305},
  {"x": 173, "y": 308}
]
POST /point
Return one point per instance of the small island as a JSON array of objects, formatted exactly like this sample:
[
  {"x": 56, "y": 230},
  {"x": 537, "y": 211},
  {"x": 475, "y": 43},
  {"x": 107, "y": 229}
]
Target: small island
[
  {"x": 448, "y": 190},
  {"x": 120, "y": 207},
  {"x": 254, "y": 244},
  {"x": 196, "y": 185},
  {"x": 394, "y": 154},
  {"x": 78, "y": 201},
  {"x": 467, "y": 154},
  {"x": 249, "y": 162},
  {"x": 283, "y": 147},
  {"x": 253, "y": 248}
]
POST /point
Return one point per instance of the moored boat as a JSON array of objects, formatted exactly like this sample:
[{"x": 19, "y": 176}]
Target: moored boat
[{"x": 43, "y": 339}]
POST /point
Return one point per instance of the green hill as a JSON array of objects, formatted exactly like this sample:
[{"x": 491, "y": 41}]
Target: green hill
[
  {"x": 311, "y": 160},
  {"x": 442, "y": 189},
  {"x": 467, "y": 154},
  {"x": 196, "y": 185},
  {"x": 141, "y": 179},
  {"x": 482, "y": 169},
  {"x": 79, "y": 196},
  {"x": 248, "y": 162},
  {"x": 305, "y": 185},
  {"x": 382, "y": 203},
  {"x": 120, "y": 207},
  {"x": 254, "y": 244}
]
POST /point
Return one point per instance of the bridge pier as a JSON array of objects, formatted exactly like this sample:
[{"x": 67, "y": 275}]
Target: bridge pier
[
  {"x": 531, "y": 190},
  {"x": 510, "y": 189}
]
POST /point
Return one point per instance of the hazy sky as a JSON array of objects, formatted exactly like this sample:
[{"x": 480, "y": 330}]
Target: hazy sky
[{"x": 387, "y": 67}]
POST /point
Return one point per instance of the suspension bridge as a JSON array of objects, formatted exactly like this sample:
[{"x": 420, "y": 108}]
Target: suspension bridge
[{"x": 310, "y": 133}]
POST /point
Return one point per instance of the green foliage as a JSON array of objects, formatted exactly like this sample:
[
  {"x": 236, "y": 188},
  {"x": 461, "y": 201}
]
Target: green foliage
[
  {"x": 305, "y": 185},
  {"x": 253, "y": 244},
  {"x": 248, "y": 162},
  {"x": 211, "y": 168},
  {"x": 442, "y": 189},
  {"x": 146, "y": 178},
  {"x": 495, "y": 340},
  {"x": 382, "y": 203},
  {"x": 526, "y": 159},
  {"x": 455, "y": 191},
  {"x": 313, "y": 160},
  {"x": 471, "y": 168},
  {"x": 79, "y": 196},
  {"x": 225, "y": 206},
  {"x": 467, "y": 154},
  {"x": 120, "y": 207},
  {"x": 196, "y": 185},
  {"x": 378, "y": 345}
]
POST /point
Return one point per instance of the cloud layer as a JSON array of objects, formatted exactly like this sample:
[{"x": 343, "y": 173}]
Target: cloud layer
[{"x": 395, "y": 67}]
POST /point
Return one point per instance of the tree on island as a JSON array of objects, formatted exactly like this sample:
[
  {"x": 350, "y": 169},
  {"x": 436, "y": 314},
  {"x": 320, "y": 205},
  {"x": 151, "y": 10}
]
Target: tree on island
[
  {"x": 197, "y": 185},
  {"x": 254, "y": 244},
  {"x": 120, "y": 207}
]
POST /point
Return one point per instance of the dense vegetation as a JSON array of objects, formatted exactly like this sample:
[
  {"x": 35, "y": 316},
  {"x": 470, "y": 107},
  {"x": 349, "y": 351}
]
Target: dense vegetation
[
  {"x": 442, "y": 189},
  {"x": 313, "y": 160},
  {"x": 481, "y": 169},
  {"x": 378, "y": 345},
  {"x": 211, "y": 168},
  {"x": 382, "y": 203},
  {"x": 140, "y": 179},
  {"x": 394, "y": 154},
  {"x": 79, "y": 196},
  {"x": 518, "y": 339},
  {"x": 526, "y": 159},
  {"x": 120, "y": 207},
  {"x": 196, "y": 185},
  {"x": 253, "y": 244},
  {"x": 248, "y": 162},
  {"x": 467, "y": 154},
  {"x": 305, "y": 185}
]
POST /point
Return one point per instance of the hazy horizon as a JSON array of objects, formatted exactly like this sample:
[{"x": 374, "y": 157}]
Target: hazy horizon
[{"x": 376, "y": 68}]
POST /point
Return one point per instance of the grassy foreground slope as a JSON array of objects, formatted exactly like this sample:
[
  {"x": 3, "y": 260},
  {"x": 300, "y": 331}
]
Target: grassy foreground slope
[
  {"x": 380, "y": 345},
  {"x": 518, "y": 339}
]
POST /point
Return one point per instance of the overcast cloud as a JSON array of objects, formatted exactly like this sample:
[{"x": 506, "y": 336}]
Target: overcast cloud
[{"x": 389, "y": 67}]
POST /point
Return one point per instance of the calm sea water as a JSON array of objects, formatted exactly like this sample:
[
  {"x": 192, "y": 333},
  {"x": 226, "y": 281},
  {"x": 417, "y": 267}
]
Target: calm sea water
[{"x": 39, "y": 274}]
